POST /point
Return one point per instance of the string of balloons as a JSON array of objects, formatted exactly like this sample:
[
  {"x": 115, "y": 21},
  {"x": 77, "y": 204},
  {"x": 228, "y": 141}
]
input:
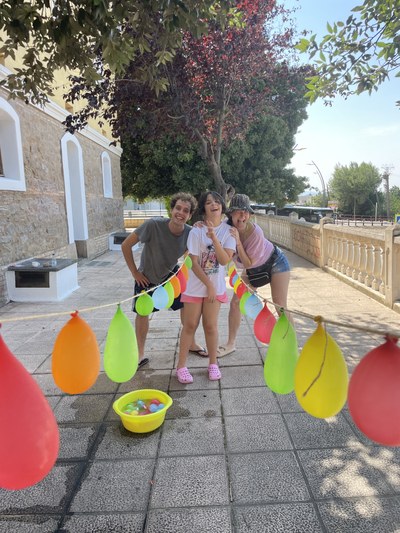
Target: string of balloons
[{"x": 318, "y": 376}]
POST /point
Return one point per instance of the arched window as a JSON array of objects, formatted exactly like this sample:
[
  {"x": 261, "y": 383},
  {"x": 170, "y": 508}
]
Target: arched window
[
  {"x": 12, "y": 175},
  {"x": 107, "y": 176}
]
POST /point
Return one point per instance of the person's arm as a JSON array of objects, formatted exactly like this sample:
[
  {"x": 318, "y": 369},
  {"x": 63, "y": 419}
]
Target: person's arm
[
  {"x": 244, "y": 258},
  {"x": 199, "y": 272},
  {"x": 224, "y": 255},
  {"x": 126, "y": 248}
]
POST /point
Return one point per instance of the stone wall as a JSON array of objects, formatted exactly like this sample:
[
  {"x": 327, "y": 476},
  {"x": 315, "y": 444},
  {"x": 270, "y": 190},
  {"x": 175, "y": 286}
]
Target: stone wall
[
  {"x": 33, "y": 223},
  {"x": 306, "y": 242}
]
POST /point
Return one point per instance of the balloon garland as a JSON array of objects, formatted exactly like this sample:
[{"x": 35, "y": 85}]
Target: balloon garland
[{"x": 318, "y": 375}]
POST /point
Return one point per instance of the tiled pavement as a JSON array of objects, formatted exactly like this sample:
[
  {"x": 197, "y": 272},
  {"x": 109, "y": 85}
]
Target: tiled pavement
[{"x": 230, "y": 456}]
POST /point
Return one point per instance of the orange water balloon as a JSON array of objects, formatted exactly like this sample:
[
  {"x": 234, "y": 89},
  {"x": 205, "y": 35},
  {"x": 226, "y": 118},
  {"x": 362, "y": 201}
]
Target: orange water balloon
[
  {"x": 176, "y": 286},
  {"x": 29, "y": 440},
  {"x": 76, "y": 357},
  {"x": 185, "y": 271}
]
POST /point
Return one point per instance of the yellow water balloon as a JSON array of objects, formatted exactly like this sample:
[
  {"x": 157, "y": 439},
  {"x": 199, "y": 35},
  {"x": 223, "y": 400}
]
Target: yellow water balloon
[{"x": 321, "y": 376}]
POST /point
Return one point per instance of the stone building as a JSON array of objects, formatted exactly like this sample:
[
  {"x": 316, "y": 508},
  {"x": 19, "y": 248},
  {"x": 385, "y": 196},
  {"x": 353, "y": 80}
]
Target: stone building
[{"x": 60, "y": 194}]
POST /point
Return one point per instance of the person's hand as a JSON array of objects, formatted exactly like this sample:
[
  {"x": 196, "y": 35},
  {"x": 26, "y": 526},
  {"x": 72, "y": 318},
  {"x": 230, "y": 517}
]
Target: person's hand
[
  {"x": 210, "y": 230},
  {"x": 211, "y": 293},
  {"x": 199, "y": 224},
  {"x": 234, "y": 232},
  {"x": 141, "y": 279}
]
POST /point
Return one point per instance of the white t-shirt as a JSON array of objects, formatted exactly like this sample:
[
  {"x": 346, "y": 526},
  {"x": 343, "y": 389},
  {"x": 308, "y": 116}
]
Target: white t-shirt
[{"x": 202, "y": 246}]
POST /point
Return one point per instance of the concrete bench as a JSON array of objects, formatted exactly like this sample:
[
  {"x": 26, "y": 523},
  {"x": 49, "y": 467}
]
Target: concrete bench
[
  {"x": 116, "y": 239},
  {"x": 37, "y": 280}
]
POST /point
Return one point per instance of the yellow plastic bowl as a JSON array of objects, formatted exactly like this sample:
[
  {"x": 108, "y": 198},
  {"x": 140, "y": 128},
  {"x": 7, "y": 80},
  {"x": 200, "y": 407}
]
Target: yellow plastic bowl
[{"x": 145, "y": 423}]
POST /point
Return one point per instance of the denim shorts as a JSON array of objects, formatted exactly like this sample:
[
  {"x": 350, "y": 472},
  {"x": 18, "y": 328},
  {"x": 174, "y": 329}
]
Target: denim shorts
[{"x": 277, "y": 263}]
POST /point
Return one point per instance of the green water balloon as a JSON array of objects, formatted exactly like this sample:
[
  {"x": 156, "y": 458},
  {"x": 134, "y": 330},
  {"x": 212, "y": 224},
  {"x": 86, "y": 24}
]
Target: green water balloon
[
  {"x": 281, "y": 359},
  {"x": 188, "y": 261},
  {"x": 170, "y": 291},
  {"x": 243, "y": 301},
  {"x": 144, "y": 304},
  {"x": 121, "y": 349}
]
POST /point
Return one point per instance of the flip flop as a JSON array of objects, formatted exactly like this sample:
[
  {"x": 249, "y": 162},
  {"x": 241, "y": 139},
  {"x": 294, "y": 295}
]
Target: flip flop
[
  {"x": 201, "y": 352},
  {"x": 144, "y": 361},
  {"x": 223, "y": 350}
]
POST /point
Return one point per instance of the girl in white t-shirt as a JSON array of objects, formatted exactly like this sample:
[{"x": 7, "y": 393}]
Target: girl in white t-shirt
[{"x": 211, "y": 248}]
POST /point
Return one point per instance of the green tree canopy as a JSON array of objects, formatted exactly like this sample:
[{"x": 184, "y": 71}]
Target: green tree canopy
[
  {"x": 395, "y": 200},
  {"x": 352, "y": 185},
  {"x": 74, "y": 34},
  {"x": 255, "y": 165},
  {"x": 218, "y": 86},
  {"x": 358, "y": 54}
]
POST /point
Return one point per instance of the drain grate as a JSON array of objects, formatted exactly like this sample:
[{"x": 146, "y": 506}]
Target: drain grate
[{"x": 99, "y": 263}]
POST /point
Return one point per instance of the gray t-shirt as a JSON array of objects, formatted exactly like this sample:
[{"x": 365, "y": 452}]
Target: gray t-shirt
[{"x": 161, "y": 249}]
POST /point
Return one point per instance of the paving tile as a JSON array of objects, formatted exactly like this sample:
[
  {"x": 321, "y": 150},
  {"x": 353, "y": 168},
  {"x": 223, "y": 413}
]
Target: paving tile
[
  {"x": 206, "y": 520},
  {"x": 28, "y": 524},
  {"x": 243, "y": 376},
  {"x": 192, "y": 436},
  {"x": 46, "y": 496},
  {"x": 266, "y": 478},
  {"x": 112, "y": 486},
  {"x": 344, "y": 472},
  {"x": 285, "y": 518},
  {"x": 361, "y": 515},
  {"x": 240, "y": 357},
  {"x": 288, "y": 403},
  {"x": 116, "y": 442},
  {"x": 195, "y": 404},
  {"x": 248, "y": 401},
  {"x": 256, "y": 433},
  {"x": 310, "y": 432},
  {"x": 82, "y": 409},
  {"x": 89, "y": 523},
  {"x": 147, "y": 378},
  {"x": 76, "y": 441},
  {"x": 194, "y": 481}
]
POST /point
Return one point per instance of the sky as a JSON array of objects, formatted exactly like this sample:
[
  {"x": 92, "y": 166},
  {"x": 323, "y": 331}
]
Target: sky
[{"x": 361, "y": 129}]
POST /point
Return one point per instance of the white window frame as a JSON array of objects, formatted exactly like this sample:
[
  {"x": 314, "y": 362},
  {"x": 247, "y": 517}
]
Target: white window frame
[
  {"x": 107, "y": 175},
  {"x": 11, "y": 149}
]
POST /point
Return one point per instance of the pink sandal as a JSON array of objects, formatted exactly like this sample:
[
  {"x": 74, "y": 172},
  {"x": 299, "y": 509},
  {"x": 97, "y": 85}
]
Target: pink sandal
[
  {"x": 184, "y": 376},
  {"x": 213, "y": 373}
]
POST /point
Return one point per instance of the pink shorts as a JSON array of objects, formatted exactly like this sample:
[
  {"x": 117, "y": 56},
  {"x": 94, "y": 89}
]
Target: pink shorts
[{"x": 223, "y": 298}]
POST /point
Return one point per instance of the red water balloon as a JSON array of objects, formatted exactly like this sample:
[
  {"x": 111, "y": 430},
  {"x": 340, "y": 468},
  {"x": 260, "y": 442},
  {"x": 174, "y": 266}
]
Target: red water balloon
[
  {"x": 374, "y": 394},
  {"x": 264, "y": 324},
  {"x": 182, "y": 280},
  {"x": 29, "y": 440}
]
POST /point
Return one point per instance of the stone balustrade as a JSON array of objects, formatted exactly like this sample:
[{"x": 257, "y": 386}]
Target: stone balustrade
[{"x": 368, "y": 258}]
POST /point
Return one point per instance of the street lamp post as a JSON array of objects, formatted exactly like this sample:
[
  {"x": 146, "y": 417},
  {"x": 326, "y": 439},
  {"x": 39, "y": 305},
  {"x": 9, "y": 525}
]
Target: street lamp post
[{"x": 324, "y": 195}]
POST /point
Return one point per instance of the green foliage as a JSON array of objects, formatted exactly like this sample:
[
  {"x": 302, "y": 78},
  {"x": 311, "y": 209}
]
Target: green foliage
[
  {"x": 160, "y": 167},
  {"x": 256, "y": 165},
  {"x": 352, "y": 186},
  {"x": 395, "y": 200},
  {"x": 54, "y": 35},
  {"x": 356, "y": 55}
]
